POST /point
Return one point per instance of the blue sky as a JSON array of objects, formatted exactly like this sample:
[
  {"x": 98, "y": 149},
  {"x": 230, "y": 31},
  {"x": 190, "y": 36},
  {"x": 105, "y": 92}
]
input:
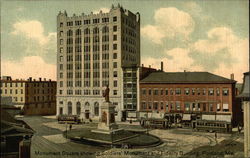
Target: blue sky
[{"x": 186, "y": 35}]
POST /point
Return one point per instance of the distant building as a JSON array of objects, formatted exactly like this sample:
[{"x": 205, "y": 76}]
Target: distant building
[
  {"x": 145, "y": 71},
  {"x": 94, "y": 51},
  {"x": 15, "y": 137},
  {"x": 245, "y": 97},
  {"x": 7, "y": 104},
  {"x": 34, "y": 97},
  {"x": 187, "y": 92}
]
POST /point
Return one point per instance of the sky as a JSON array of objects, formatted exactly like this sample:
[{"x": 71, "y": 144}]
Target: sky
[{"x": 196, "y": 35}]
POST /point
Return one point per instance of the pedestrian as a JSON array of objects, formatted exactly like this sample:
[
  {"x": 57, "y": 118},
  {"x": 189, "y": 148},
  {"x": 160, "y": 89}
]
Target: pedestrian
[{"x": 70, "y": 126}]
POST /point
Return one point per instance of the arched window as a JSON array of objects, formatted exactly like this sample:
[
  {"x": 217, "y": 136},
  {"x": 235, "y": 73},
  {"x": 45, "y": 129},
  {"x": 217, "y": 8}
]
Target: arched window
[
  {"x": 96, "y": 109},
  {"x": 105, "y": 29},
  {"x": 70, "y": 33},
  {"x": 96, "y": 30},
  {"x": 87, "y": 31},
  {"x": 78, "y": 32},
  {"x": 86, "y": 106},
  {"x": 78, "y": 108},
  {"x": 69, "y": 108}
]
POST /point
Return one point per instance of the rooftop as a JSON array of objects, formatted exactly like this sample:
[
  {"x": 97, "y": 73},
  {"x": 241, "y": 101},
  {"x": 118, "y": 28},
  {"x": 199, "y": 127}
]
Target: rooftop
[{"x": 185, "y": 77}]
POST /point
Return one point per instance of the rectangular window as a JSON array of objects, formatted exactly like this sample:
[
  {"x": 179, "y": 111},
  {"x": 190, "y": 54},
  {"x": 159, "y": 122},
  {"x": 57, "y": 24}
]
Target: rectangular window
[
  {"x": 187, "y": 106},
  {"x": 149, "y": 105},
  {"x": 193, "y": 91},
  {"x": 115, "y": 92},
  {"x": 161, "y": 91},
  {"x": 155, "y": 105},
  {"x": 114, "y": 28},
  {"x": 204, "y": 91},
  {"x": 114, "y": 37},
  {"x": 218, "y": 107},
  {"x": 61, "y": 41},
  {"x": 167, "y": 107},
  {"x": 155, "y": 91},
  {"x": 144, "y": 106},
  {"x": 144, "y": 91},
  {"x": 114, "y": 46},
  {"x": 198, "y": 91},
  {"x": 211, "y": 108},
  {"x": 166, "y": 91},
  {"x": 114, "y": 64},
  {"x": 204, "y": 107},
  {"x": 225, "y": 107},
  {"x": 177, "y": 91},
  {"x": 218, "y": 91},
  {"x": 211, "y": 91},
  {"x": 225, "y": 92},
  {"x": 114, "y": 19},
  {"x": 149, "y": 92},
  {"x": 115, "y": 83},
  {"x": 187, "y": 91},
  {"x": 115, "y": 56},
  {"x": 178, "y": 105},
  {"x": 115, "y": 74},
  {"x": 171, "y": 91}
]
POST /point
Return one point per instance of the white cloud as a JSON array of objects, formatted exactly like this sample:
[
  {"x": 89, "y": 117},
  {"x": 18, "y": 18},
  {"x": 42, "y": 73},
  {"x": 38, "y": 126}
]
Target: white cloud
[
  {"x": 169, "y": 23},
  {"x": 104, "y": 10},
  {"x": 220, "y": 38},
  {"x": 31, "y": 66},
  {"x": 32, "y": 30},
  {"x": 179, "y": 60}
]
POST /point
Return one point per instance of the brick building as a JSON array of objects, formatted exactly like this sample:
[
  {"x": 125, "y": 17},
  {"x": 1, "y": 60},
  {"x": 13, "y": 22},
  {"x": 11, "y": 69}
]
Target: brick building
[
  {"x": 35, "y": 97},
  {"x": 186, "y": 92}
]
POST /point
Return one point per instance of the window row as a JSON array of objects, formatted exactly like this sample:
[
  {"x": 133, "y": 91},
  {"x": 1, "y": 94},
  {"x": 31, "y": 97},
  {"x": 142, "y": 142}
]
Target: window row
[
  {"x": 88, "y": 21},
  {"x": 186, "y": 91}
]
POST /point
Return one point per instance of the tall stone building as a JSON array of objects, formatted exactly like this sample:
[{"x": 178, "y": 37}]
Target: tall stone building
[{"x": 94, "y": 51}]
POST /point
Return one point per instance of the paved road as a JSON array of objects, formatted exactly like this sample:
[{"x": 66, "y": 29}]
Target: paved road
[{"x": 49, "y": 143}]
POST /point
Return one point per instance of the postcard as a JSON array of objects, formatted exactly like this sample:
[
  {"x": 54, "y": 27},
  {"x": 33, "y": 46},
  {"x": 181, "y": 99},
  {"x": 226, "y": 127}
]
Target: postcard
[{"x": 123, "y": 78}]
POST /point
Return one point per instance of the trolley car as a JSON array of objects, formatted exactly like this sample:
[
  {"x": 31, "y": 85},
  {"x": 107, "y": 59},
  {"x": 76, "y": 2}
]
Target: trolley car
[
  {"x": 71, "y": 119},
  {"x": 212, "y": 126},
  {"x": 155, "y": 123}
]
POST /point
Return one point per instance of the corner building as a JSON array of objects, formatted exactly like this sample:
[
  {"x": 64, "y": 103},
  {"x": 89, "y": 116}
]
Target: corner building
[{"x": 94, "y": 51}]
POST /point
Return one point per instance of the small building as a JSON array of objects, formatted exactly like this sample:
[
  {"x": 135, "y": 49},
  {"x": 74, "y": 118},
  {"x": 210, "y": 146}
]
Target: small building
[
  {"x": 190, "y": 92},
  {"x": 34, "y": 97},
  {"x": 15, "y": 137},
  {"x": 245, "y": 98}
]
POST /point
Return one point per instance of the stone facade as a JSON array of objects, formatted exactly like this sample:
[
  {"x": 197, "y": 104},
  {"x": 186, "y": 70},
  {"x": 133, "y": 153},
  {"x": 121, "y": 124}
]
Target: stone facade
[
  {"x": 35, "y": 97},
  {"x": 96, "y": 50}
]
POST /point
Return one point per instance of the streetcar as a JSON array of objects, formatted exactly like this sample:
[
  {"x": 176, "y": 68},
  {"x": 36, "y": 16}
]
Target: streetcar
[
  {"x": 155, "y": 123},
  {"x": 70, "y": 119},
  {"x": 212, "y": 126}
]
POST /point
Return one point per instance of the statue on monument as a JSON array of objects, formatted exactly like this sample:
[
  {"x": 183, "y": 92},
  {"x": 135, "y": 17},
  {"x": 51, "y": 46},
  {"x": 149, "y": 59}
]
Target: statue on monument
[{"x": 106, "y": 94}]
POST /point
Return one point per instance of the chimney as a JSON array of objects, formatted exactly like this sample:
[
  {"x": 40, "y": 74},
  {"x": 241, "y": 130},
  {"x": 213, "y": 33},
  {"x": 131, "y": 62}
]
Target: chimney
[
  {"x": 44, "y": 79},
  {"x": 142, "y": 65},
  {"x": 30, "y": 78},
  {"x": 161, "y": 66},
  {"x": 185, "y": 71},
  {"x": 50, "y": 80},
  {"x": 40, "y": 79},
  {"x": 149, "y": 66},
  {"x": 232, "y": 76}
]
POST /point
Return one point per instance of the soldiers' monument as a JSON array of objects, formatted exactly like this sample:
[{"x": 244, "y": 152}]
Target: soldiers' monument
[{"x": 107, "y": 118}]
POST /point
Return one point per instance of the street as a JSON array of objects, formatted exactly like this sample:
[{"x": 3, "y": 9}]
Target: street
[{"x": 49, "y": 142}]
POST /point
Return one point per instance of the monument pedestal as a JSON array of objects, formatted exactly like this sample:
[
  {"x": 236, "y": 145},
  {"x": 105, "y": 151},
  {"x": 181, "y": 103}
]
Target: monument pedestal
[{"x": 107, "y": 123}]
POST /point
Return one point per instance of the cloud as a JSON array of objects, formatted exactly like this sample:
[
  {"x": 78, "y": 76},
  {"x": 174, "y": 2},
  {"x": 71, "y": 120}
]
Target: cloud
[
  {"x": 222, "y": 52},
  {"x": 104, "y": 10},
  {"x": 31, "y": 66},
  {"x": 33, "y": 30},
  {"x": 176, "y": 59},
  {"x": 169, "y": 23},
  {"x": 33, "y": 40}
]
